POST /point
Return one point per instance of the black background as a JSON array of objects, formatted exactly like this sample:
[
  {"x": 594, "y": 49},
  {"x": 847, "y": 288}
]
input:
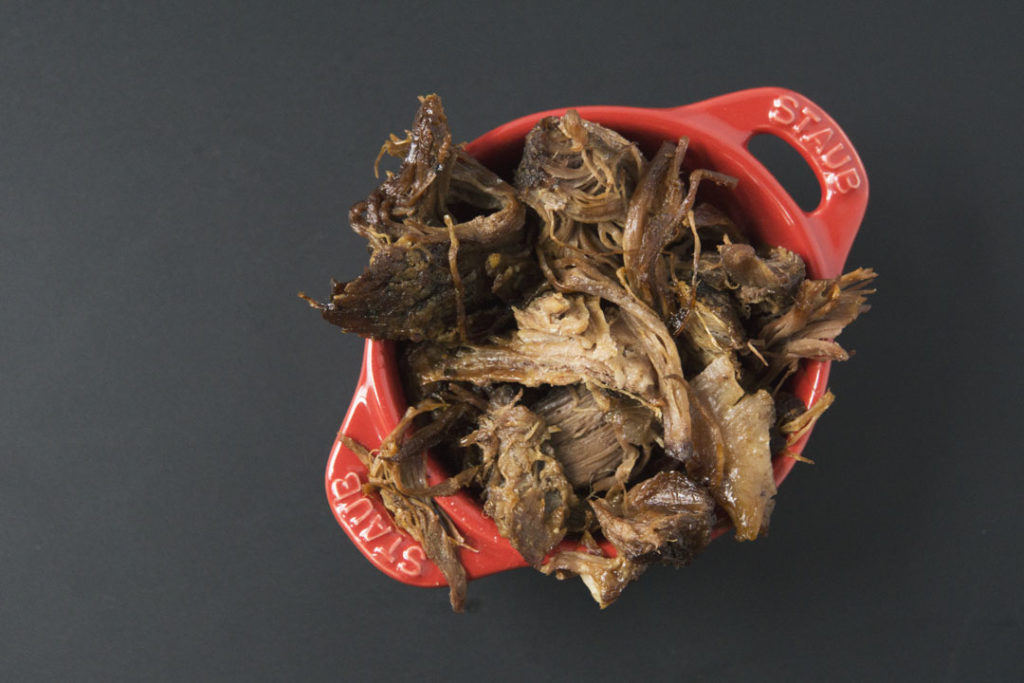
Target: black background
[{"x": 170, "y": 178}]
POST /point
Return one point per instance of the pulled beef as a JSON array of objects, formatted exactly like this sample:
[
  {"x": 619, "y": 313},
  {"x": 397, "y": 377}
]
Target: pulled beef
[
  {"x": 559, "y": 340},
  {"x": 435, "y": 178},
  {"x": 666, "y": 518},
  {"x": 655, "y": 212},
  {"x": 744, "y": 423},
  {"x": 604, "y": 577},
  {"x": 577, "y": 170},
  {"x": 822, "y": 308},
  {"x": 430, "y": 277},
  {"x": 652, "y": 341},
  {"x": 711, "y": 326},
  {"x": 526, "y": 492},
  {"x": 598, "y": 437},
  {"x": 768, "y": 282},
  {"x": 402, "y": 486},
  {"x": 408, "y": 293},
  {"x": 591, "y": 348},
  {"x": 427, "y": 525}
]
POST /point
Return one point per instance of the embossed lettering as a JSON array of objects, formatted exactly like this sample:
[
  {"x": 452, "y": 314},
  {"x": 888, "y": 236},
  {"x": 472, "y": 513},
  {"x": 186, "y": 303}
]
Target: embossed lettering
[
  {"x": 832, "y": 163},
  {"x": 783, "y": 110},
  {"x": 388, "y": 551},
  {"x": 345, "y": 486},
  {"x": 819, "y": 139},
  {"x": 358, "y": 513},
  {"x": 375, "y": 529},
  {"x": 411, "y": 559},
  {"x": 363, "y": 505},
  {"x": 809, "y": 115},
  {"x": 847, "y": 180}
]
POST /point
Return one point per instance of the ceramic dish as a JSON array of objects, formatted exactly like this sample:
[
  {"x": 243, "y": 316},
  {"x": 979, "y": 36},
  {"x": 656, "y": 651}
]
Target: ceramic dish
[{"x": 719, "y": 130}]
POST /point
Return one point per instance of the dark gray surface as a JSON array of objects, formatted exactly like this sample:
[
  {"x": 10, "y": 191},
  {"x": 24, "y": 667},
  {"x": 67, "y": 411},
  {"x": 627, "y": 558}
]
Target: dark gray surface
[{"x": 169, "y": 179}]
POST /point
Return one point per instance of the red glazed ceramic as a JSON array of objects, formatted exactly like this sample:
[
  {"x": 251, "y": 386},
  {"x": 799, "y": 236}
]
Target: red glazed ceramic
[{"x": 719, "y": 130}]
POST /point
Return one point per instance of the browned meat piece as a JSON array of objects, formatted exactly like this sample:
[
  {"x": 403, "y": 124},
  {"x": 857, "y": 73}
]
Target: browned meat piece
[
  {"x": 651, "y": 339},
  {"x": 743, "y": 423},
  {"x": 498, "y": 215},
  {"x": 781, "y": 271},
  {"x": 709, "y": 327},
  {"x": 448, "y": 250},
  {"x": 417, "y": 193},
  {"x": 408, "y": 293},
  {"x": 577, "y": 169},
  {"x": 808, "y": 329},
  {"x": 734, "y": 285},
  {"x": 604, "y": 577},
  {"x": 526, "y": 492},
  {"x": 665, "y": 518},
  {"x": 656, "y": 211},
  {"x": 437, "y": 179},
  {"x": 769, "y": 282},
  {"x": 598, "y": 438},
  {"x": 560, "y": 340}
]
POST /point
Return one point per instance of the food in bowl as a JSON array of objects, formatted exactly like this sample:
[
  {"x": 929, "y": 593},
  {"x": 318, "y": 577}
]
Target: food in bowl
[{"x": 595, "y": 349}]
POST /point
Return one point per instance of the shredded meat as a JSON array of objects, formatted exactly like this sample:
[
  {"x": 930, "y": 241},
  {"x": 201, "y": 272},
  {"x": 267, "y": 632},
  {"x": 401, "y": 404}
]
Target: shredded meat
[
  {"x": 652, "y": 340},
  {"x": 666, "y": 518},
  {"x": 577, "y": 170},
  {"x": 605, "y": 577},
  {"x": 598, "y": 437},
  {"x": 767, "y": 281},
  {"x": 527, "y": 493},
  {"x": 430, "y": 277},
  {"x": 559, "y": 340},
  {"x": 408, "y": 293},
  {"x": 744, "y": 422},
  {"x": 596, "y": 349},
  {"x": 435, "y": 179},
  {"x": 820, "y": 312},
  {"x": 402, "y": 485}
]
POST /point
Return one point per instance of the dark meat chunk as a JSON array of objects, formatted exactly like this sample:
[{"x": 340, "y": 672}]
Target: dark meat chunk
[
  {"x": 408, "y": 293},
  {"x": 526, "y": 492},
  {"x": 416, "y": 195},
  {"x": 665, "y": 518},
  {"x": 431, "y": 275},
  {"x": 437, "y": 178},
  {"x": 656, "y": 211}
]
